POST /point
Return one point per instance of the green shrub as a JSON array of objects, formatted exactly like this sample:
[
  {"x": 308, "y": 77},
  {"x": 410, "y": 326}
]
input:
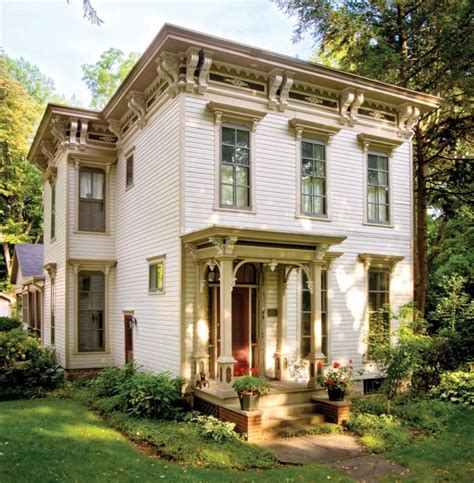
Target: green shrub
[
  {"x": 250, "y": 385},
  {"x": 456, "y": 387},
  {"x": 9, "y": 323},
  {"x": 111, "y": 380},
  {"x": 211, "y": 427},
  {"x": 27, "y": 368},
  {"x": 379, "y": 433},
  {"x": 373, "y": 405}
]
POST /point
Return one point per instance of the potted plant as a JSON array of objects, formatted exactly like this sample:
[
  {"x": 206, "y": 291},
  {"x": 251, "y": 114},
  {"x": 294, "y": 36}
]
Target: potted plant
[
  {"x": 249, "y": 389},
  {"x": 337, "y": 380}
]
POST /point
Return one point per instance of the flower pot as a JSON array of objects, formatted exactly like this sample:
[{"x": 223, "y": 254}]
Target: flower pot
[
  {"x": 249, "y": 402},
  {"x": 336, "y": 394}
]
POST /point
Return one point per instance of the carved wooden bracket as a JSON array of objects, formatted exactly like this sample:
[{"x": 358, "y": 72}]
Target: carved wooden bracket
[
  {"x": 288, "y": 79},
  {"x": 205, "y": 62},
  {"x": 136, "y": 103},
  {"x": 47, "y": 148},
  {"x": 349, "y": 104},
  {"x": 115, "y": 128},
  {"x": 168, "y": 68},
  {"x": 58, "y": 130},
  {"x": 279, "y": 85},
  {"x": 407, "y": 119},
  {"x": 192, "y": 59}
]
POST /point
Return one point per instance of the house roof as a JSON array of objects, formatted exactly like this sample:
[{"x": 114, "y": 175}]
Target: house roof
[{"x": 29, "y": 259}]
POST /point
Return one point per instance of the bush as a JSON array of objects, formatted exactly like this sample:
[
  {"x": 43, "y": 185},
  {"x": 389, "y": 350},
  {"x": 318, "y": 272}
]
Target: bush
[
  {"x": 456, "y": 387},
  {"x": 142, "y": 394},
  {"x": 373, "y": 405},
  {"x": 27, "y": 369},
  {"x": 211, "y": 427},
  {"x": 379, "y": 433},
  {"x": 9, "y": 323}
]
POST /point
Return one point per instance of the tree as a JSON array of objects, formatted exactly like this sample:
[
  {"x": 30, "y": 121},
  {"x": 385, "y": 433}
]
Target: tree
[
  {"x": 423, "y": 45},
  {"x": 103, "y": 77}
]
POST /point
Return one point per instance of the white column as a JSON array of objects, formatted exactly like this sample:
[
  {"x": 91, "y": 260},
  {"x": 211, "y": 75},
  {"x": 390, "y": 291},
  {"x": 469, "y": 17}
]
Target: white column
[
  {"x": 225, "y": 362},
  {"x": 281, "y": 356},
  {"x": 316, "y": 356}
]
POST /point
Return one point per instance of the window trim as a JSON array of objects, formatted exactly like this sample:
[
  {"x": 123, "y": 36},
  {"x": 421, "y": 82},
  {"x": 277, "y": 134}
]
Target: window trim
[
  {"x": 314, "y": 139},
  {"x": 153, "y": 261},
  {"x": 388, "y": 223}
]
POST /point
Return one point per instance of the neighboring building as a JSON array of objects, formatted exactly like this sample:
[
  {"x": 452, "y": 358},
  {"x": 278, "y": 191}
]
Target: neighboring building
[
  {"x": 229, "y": 208},
  {"x": 5, "y": 305},
  {"x": 28, "y": 277}
]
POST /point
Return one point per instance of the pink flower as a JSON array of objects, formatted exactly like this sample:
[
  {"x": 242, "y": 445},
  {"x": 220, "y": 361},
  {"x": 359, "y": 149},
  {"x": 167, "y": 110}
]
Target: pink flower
[
  {"x": 336, "y": 365},
  {"x": 350, "y": 361},
  {"x": 350, "y": 367},
  {"x": 330, "y": 382}
]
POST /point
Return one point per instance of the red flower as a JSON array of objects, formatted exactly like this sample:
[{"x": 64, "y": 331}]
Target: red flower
[
  {"x": 336, "y": 365},
  {"x": 350, "y": 367},
  {"x": 350, "y": 361},
  {"x": 320, "y": 365},
  {"x": 330, "y": 382},
  {"x": 254, "y": 370}
]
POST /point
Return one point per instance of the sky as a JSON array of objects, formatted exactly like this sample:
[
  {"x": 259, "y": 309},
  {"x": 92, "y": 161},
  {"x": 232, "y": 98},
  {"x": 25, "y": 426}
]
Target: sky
[{"x": 54, "y": 35}]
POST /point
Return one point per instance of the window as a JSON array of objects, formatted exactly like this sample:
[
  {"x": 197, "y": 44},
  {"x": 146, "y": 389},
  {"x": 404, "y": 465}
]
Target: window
[
  {"x": 306, "y": 314},
  {"x": 235, "y": 168},
  {"x": 378, "y": 189},
  {"x": 313, "y": 178},
  {"x": 156, "y": 277},
  {"x": 91, "y": 200},
  {"x": 53, "y": 211},
  {"x": 52, "y": 311},
  {"x": 379, "y": 298},
  {"x": 129, "y": 172},
  {"x": 91, "y": 311},
  {"x": 25, "y": 307}
]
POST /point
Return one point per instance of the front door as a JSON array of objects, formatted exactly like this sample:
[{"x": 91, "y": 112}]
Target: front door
[{"x": 240, "y": 329}]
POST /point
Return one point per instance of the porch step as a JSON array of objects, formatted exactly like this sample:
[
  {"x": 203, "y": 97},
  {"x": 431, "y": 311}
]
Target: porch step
[
  {"x": 273, "y": 399},
  {"x": 293, "y": 423},
  {"x": 288, "y": 410}
]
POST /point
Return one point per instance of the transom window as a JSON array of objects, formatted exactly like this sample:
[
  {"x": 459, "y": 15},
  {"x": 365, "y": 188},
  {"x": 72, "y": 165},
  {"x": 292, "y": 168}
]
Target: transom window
[
  {"x": 235, "y": 168},
  {"x": 378, "y": 189},
  {"x": 306, "y": 314},
  {"x": 91, "y": 311},
  {"x": 156, "y": 277},
  {"x": 313, "y": 178},
  {"x": 92, "y": 200}
]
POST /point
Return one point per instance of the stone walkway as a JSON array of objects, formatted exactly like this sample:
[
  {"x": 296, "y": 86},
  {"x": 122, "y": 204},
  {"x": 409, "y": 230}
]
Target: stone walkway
[{"x": 342, "y": 452}]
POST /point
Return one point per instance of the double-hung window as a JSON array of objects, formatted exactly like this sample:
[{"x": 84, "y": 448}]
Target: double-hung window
[
  {"x": 156, "y": 275},
  {"x": 379, "y": 298},
  {"x": 378, "y": 196},
  {"x": 313, "y": 178},
  {"x": 91, "y": 311},
  {"x": 92, "y": 200},
  {"x": 53, "y": 211},
  {"x": 235, "y": 191},
  {"x": 129, "y": 172}
]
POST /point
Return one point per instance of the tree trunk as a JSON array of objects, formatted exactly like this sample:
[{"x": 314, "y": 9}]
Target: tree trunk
[
  {"x": 421, "y": 228},
  {"x": 7, "y": 258}
]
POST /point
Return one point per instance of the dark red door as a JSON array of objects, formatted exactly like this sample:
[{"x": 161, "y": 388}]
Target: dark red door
[
  {"x": 128, "y": 338},
  {"x": 240, "y": 328}
]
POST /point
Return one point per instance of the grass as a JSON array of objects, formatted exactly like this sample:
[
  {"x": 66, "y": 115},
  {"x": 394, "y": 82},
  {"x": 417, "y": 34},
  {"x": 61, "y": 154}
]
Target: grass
[{"x": 48, "y": 440}]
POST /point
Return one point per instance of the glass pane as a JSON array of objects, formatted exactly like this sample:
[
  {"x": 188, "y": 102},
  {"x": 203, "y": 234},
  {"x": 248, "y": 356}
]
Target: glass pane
[
  {"x": 159, "y": 276},
  {"x": 383, "y": 213},
  {"x": 383, "y": 163},
  {"x": 318, "y": 205},
  {"x": 373, "y": 280},
  {"x": 306, "y": 301},
  {"x": 241, "y": 176},
  {"x": 382, "y": 195},
  {"x": 324, "y": 280},
  {"x": 305, "y": 324},
  {"x": 84, "y": 283},
  {"x": 373, "y": 302},
  {"x": 306, "y": 204},
  {"x": 383, "y": 178},
  {"x": 228, "y": 135},
  {"x": 307, "y": 166},
  {"x": 373, "y": 164},
  {"x": 319, "y": 151},
  {"x": 307, "y": 185},
  {"x": 318, "y": 187},
  {"x": 243, "y": 138},
  {"x": 320, "y": 168},
  {"x": 242, "y": 197},
  {"x": 373, "y": 179},
  {"x": 307, "y": 150},
  {"x": 227, "y": 173},
  {"x": 152, "y": 277},
  {"x": 372, "y": 215},
  {"x": 86, "y": 184},
  {"x": 305, "y": 346},
  {"x": 98, "y": 186},
  {"x": 84, "y": 301},
  {"x": 227, "y": 195},
  {"x": 241, "y": 155},
  {"x": 227, "y": 154},
  {"x": 372, "y": 194}
]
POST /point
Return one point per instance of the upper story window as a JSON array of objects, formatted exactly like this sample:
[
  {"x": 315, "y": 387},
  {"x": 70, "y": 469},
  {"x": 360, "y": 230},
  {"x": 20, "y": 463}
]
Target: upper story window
[
  {"x": 156, "y": 275},
  {"x": 378, "y": 196},
  {"x": 129, "y": 172},
  {"x": 53, "y": 211},
  {"x": 92, "y": 200},
  {"x": 91, "y": 329},
  {"x": 313, "y": 178},
  {"x": 235, "y": 168}
]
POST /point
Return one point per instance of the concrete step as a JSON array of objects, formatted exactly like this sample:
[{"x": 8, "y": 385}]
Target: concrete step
[
  {"x": 292, "y": 422},
  {"x": 293, "y": 397},
  {"x": 288, "y": 410}
]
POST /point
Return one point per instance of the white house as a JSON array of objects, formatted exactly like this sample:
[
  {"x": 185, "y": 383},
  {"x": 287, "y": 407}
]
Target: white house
[{"x": 230, "y": 208}]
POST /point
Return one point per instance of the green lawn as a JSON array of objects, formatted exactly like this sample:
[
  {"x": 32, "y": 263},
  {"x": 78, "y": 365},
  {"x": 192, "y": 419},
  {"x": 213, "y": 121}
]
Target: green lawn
[{"x": 59, "y": 440}]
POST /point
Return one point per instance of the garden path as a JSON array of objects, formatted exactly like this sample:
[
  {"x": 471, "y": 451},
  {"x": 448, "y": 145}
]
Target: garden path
[{"x": 339, "y": 451}]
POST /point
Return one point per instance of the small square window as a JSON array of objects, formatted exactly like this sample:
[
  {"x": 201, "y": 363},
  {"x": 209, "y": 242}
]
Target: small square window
[
  {"x": 156, "y": 276},
  {"x": 129, "y": 173}
]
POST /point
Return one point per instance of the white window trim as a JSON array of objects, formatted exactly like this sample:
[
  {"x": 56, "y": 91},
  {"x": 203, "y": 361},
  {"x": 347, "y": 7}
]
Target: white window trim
[
  {"x": 299, "y": 179},
  {"x": 155, "y": 261}
]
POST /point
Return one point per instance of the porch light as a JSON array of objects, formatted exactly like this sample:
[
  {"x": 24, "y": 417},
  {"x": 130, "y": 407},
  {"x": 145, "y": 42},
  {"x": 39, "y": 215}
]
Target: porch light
[{"x": 132, "y": 322}]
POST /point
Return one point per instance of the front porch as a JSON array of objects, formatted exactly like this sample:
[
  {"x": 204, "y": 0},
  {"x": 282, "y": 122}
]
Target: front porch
[{"x": 244, "y": 307}]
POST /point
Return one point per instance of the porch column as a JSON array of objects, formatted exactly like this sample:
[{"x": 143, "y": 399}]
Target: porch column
[
  {"x": 316, "y": 356},
  {"x": 201, "y": 326},
  {"x": 225, "y": 362},
  {"x": 281, "y": 357}
]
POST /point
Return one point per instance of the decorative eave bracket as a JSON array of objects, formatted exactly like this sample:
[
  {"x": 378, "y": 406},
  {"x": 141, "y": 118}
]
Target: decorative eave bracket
[
  {"x": 322, "y": 131},
  {"x": 408, "y": 116},
  {"x": 349, "y": 103},
  {"x": 136, "y": 103},
  {"x": 279, "y": 85}
]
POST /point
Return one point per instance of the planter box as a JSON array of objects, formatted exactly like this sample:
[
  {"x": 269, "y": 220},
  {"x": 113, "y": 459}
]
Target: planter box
[
  {"x": 247, "y": 422},
  {"x": 334, "y": 411}
]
